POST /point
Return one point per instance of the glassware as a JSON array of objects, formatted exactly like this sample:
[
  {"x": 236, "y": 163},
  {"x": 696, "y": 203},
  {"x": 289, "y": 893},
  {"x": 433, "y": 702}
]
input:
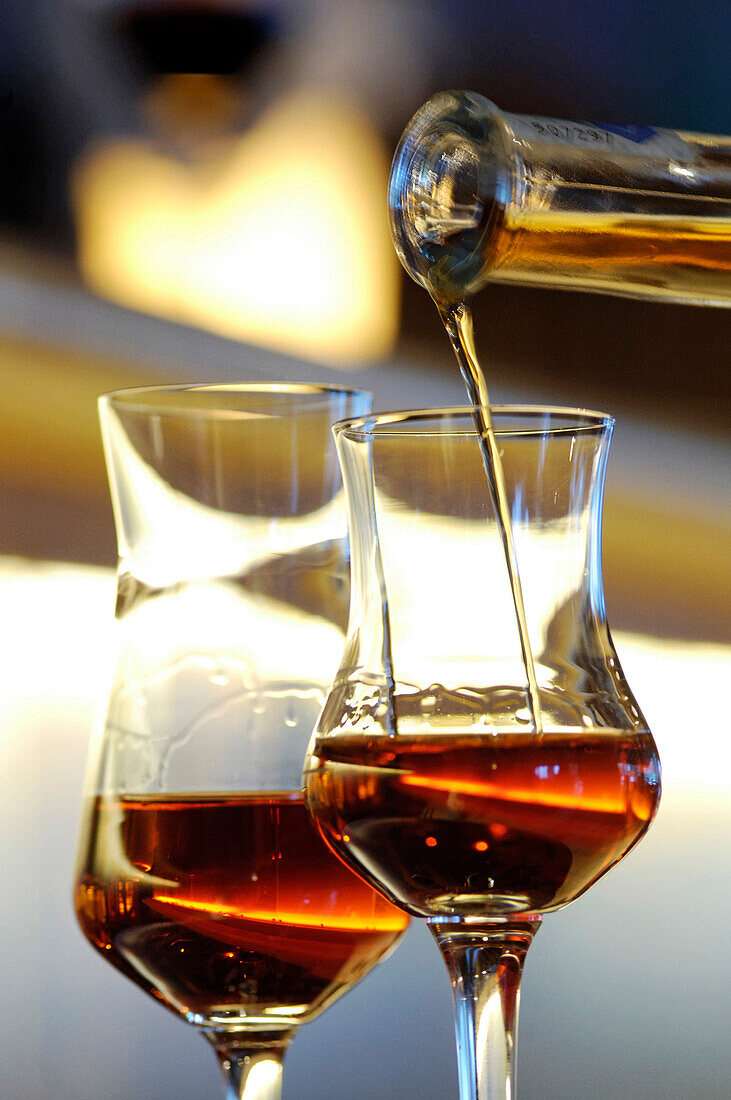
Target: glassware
[
  {"x": 478, "y": 195},
  {"x": 200, "y": 875},
  {"x": 426, "y": 771}
]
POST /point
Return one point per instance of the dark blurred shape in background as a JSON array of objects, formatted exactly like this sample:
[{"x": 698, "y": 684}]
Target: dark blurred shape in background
[{"x": 169, "y": 37}]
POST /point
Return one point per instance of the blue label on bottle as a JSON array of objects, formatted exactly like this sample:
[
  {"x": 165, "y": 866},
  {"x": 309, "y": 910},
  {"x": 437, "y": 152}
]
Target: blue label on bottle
[{"x": 637, "y": 134}]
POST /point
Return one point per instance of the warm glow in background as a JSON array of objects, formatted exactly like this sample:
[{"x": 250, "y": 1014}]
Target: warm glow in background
[{"x": 279, "y": 236}]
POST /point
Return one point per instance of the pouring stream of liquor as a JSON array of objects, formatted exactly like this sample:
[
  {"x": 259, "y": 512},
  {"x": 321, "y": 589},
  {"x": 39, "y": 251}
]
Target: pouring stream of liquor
[{"x": 457, "y": 319}]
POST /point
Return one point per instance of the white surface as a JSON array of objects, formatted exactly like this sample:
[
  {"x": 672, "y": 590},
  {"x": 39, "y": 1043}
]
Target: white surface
[{"x": 625, "y": 994}]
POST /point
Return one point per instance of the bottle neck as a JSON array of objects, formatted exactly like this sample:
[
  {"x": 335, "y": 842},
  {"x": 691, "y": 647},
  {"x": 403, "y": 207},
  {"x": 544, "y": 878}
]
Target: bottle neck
[
  {"x": 451, "y": 179},
  {"x": 477, "y": 195}
]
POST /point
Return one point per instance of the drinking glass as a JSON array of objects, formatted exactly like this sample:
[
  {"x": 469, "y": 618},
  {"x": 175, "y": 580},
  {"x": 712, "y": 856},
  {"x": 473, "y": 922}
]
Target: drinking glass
[
  {"x": 428, "y": 771},
  {"x": 200, "y": 875}
]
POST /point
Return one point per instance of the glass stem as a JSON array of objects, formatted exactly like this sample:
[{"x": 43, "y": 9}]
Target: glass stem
[
  {"x": 251, "y": 1062},
  {"x": 485, "y": 963}
]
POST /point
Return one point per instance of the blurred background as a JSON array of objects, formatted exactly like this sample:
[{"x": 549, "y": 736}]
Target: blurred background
[{"x": 196, "y": 191}]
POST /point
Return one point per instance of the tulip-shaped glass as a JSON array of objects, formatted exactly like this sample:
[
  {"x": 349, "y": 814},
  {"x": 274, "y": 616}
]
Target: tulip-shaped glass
[
  {"x": 428, "y": 771},
  {"x": 200, "y": 875}
]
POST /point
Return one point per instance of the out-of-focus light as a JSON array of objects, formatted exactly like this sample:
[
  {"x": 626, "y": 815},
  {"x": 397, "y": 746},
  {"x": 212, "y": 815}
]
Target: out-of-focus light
[
  {"x": 55, "y": 646},
  {"x": 278, "y": 237},
  {"x": 262, "y": 1077},
  {"x": 681, "y": 688}
]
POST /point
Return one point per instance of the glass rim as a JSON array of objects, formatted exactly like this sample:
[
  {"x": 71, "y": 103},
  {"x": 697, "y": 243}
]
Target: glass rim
[
  {"x": 385, "y": 424},
  {"x": 159, "y": 400}
]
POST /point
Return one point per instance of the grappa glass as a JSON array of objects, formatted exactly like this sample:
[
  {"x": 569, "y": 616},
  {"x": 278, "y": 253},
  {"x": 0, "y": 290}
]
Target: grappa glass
[
  {"x": 428, "y": 770},
  {"x": 200, "y": 875}
]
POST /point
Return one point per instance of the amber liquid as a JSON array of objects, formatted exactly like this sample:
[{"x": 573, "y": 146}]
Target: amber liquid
[
  {"x": 684, "y": 258},
  {"x": 228, "y": 907},
  {"x": 457, "y": 319},
  {"x": 488, "y": 824}
]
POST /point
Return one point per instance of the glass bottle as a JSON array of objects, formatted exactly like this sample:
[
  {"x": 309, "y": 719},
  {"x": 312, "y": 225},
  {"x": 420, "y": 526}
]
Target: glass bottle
[{"x": 478, "y": 195}]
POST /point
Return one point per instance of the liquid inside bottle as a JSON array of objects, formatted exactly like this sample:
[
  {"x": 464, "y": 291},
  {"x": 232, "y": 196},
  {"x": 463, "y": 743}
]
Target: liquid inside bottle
[{"x": 477, "y": 195}]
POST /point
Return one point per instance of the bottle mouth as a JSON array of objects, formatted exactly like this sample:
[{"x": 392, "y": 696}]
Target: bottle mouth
[
  {"x": 441, "y": 193},
  {"x": 444, "y": 193}
]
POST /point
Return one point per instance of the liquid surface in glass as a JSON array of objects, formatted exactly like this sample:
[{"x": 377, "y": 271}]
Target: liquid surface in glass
[
  {"x": 228, "y": 906},
  {"x": 485, "y": 825}
]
